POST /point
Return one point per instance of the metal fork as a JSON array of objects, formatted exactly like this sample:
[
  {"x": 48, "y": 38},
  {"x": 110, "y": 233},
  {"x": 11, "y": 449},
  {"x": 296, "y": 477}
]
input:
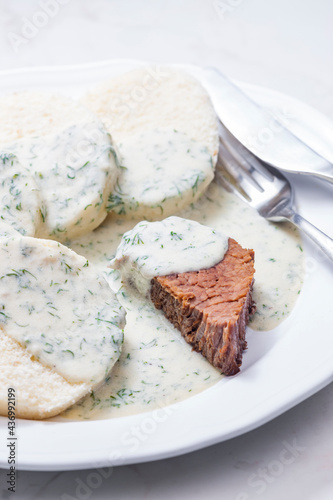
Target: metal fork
[{"x": 264, "y": 188}]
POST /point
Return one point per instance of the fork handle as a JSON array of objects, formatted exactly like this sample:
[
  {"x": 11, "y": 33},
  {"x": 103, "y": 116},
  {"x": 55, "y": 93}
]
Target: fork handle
[
  {"x": 325, "y": 174},
  {"x": 322, "y": 240}
]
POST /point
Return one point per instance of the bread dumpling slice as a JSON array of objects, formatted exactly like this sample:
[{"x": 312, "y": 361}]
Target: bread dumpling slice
[
  {"x": 75, "y": 171},
  {"x": 40, "y": 391},
  {"x": 37, "y": 113},
  {"x": 70, "y": 155},
  {"x": 55, "y": 307},
  {"x": 166, "y": 131}
]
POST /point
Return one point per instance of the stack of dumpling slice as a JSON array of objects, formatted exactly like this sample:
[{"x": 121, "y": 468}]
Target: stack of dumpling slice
[
  {"x": 141, "y": 145},
  {"x": 61, "y": 326}
]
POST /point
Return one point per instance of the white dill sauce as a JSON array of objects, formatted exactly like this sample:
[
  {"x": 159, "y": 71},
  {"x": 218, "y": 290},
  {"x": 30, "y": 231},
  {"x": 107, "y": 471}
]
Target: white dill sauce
[
  {"x": 172, "y": 245},
  {"x": 156, "y": 366}
]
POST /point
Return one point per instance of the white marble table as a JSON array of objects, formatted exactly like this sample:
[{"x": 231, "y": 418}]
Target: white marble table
[{"x": 281, "y": 44}]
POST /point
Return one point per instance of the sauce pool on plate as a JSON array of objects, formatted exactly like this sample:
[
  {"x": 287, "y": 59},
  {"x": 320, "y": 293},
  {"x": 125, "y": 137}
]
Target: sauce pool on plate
[{"x": 157, "y": 367}]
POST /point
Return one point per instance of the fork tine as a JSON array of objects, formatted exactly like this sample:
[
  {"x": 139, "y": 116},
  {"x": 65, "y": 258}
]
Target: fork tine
[
  {"x": 244, "y": 156},
  {"x": 222, "y": 178},
  {"x": 239, "y": 164},
  {"x": 238, "y": 177},
  {"x": 239, "y": 172}
]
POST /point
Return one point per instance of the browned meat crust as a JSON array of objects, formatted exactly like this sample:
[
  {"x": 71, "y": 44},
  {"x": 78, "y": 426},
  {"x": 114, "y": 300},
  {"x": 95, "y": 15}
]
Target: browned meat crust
[{"x": 211, "y": 307}]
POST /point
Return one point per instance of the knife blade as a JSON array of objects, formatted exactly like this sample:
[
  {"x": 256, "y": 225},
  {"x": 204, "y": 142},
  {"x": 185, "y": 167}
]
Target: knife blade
[{"x": 260, "y": 132}]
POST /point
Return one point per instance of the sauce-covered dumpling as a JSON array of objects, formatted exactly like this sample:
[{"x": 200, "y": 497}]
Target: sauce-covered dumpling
[
  {"x": 165, "y": 172},
  {"x": 21, "y": 205},
  {"x": 167, "y": 139},
  {"x": 68, "y": 153},
  {"x": 56, "y": 305},
  {"x": 75, "y": 171}
]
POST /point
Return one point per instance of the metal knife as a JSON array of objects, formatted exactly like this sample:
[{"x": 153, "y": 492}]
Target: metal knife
[{"x": 260, "y": 132}]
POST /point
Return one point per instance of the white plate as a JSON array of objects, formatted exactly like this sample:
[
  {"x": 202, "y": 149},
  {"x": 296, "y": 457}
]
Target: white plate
[{"x": 281, "y": 368}]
